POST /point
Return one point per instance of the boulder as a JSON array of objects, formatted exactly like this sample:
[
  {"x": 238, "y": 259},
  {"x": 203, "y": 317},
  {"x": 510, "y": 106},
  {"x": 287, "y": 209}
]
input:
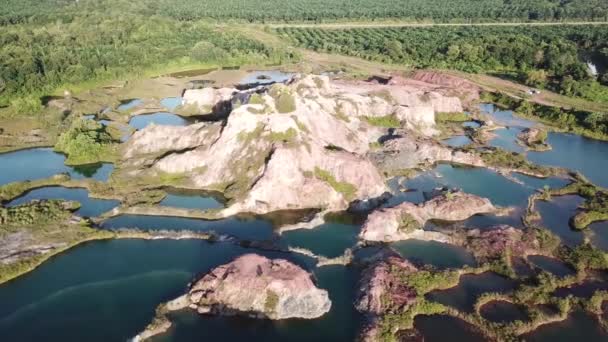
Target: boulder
[
  {"x": 256, "y": 286},
  {"x": 406, "y": 220},
  {"x": 207, "y": 100},
  {"x": 381, "y": 289}
]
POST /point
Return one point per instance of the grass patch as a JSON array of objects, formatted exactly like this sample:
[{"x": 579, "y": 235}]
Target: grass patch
[
  {"x": 442, "y": 117},
  {"x": 349, "y": 191},
  {"x": 86, "y": 142},
  {"x": 388, "y": 121}
]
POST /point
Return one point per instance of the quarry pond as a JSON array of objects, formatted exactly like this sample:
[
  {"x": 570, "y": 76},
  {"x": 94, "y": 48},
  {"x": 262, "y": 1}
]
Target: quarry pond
[{"x": 149, "y": 243}]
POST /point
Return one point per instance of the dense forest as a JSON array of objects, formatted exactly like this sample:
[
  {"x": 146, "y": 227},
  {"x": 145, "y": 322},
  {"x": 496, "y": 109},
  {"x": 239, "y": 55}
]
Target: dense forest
[
  {"x": 543, "y": 57},
  {"x": 15, "y": 11},
  {"x": 35, "y": 59},
  {"x": 46, "y": 45}
]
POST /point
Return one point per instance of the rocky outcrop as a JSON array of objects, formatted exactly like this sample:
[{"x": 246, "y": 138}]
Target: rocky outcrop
[
  {"x": 207, "y": 100},
  {"x": 405, "y": 150},
  {"x": 257, "y": 286},
  {"x": 297, "y": 146},
  {"x": 250, "y": 285},
  {"x": 496, "y": 242},
  {"x": 381, "y": 289},
  {"x": 534, "y": 138},
  {"x": 406, "y": 220}
]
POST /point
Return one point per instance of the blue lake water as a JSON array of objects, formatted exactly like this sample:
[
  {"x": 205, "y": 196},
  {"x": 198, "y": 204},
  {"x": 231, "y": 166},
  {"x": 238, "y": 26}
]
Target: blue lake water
[
  {"x": 171, "y": 102},
  {"x": 272, "y": 76},
  {"x": 39, "y": 163},
  {"x": 329, "y": 239},
  {"x": 556, "y": 216},
  {"x": 89, "y": 207},
  {"x": 254, "y": 229},
  {"x": 439, "y": 255},
  {"x": 167, "y": 119},
  {"x": 482, "y": 182},
  {"x": 118, "y": 284},
  {"x": 191, "y": 201},
  {"x": 457, "y": 141},
  {"x": 129, "y": 104}
]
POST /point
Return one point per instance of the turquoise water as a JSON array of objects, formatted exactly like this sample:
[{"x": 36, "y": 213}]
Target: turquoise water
[
  {"x": 89, "y": 207},
  {"x": 556, "y": 216},
  {"x": 457, "y": 141},
  {"x": 171, "y": 102},
  {"x": 191, "y": 201},
  {"x": 551, "y": 265},
  {"x": 439, "y": 255},
  {"x": 579, "y": 326},
  {"x": 506, "y": 138},
  {"x": 478, "y": 181},
  {"x": 464, "y": 296},
  {"x": 129, "y": 104},
  {"x": 274, "y": 76},
  {"x": 167, "y": 119},
  {"x": 501, "y": 311},
  {"x": 471, "y": 124},
  {"x": 39, "y": 163},
  {"x": 254, "y": 229},
  {"x": 329, "y": 239},
  {"x": 442, "y": 328},
  {"x": 108, "y": 290},
  {"x": 600, "y": 235},
  {"x": 342, "y": 323},
  {"x": 588, "y": 156},
  {"x": 571, "y": 151}
]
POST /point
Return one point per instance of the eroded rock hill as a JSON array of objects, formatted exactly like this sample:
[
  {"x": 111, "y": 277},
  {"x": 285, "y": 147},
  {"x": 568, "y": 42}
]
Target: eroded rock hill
[{"x": 307, "y": 144}]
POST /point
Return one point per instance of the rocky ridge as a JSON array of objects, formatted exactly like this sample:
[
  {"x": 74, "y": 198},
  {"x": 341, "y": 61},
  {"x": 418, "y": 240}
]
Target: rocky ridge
[{"x": 307, "y": 144}]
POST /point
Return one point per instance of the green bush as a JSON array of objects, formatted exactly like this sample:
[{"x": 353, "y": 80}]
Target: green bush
[{"x": 85, "y": 142}]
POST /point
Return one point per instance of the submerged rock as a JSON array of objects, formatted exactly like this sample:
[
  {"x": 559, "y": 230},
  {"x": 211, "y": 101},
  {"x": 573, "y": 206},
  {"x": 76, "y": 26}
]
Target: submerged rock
[{"x": 406, "y": 220}]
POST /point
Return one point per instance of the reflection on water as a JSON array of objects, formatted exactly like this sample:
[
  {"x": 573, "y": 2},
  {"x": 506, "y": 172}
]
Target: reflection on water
[
  {"x": 167, "y": 119},
  {"x": 40, "y": 163},
  {"x": 89, "y": 207},
  {"x": 439, "y": 255}
]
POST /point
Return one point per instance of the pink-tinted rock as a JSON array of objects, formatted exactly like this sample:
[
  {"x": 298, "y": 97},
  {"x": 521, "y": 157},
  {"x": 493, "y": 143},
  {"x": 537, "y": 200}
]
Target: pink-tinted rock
[
  {"x": 388, "y": 224},
  {"x": 260, "y": 287}
]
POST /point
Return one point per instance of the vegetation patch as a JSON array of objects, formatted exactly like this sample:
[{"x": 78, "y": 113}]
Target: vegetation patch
[
  {"x": 388, "y": 121},
  {"x": 349, "y": 191},
  {"x": 285, "y": 101},
  {"x": 272, "y": 300},
  {"x": 86, "y": 142},
  {"x": 443, "y": 117}
]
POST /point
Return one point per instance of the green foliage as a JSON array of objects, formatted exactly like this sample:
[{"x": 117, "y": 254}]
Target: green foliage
[
  {"x": 586, "y": 257},
  {"x": 510, "y": 160},
  {"x": 388, "y": 121},
  {"x": 451, "y": 117},
  {"x": 541, "y": 56},
  {"x": 426, "y": 281},
  {"x": 38, "y": 213},
  {"x": 408, "y": 224},
  {"x": 313, "y": 10},
  {"x": 285, "y": 101},
  {"x": 349, "y": 191},
  {"x": 272, "y": 300},
  {"x": 287, "y": 136},
  {"x": 96, "y": 45},
  {"x": 85, "y": 142}
]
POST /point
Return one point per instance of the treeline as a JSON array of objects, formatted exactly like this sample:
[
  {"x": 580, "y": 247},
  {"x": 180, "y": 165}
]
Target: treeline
[
  {"x": 319, "y": 10},
  {"x": 543, "y": 57},
  {"x": 36, "y": 59},
  {"x": 590, "y": 124}
]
